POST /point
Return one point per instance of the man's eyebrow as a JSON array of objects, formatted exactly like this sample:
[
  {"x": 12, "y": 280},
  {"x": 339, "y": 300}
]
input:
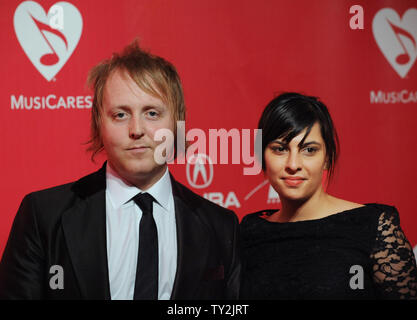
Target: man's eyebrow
[
  {"x": 155, "y": 106},
  {"x": 121, "y": 106},
  {"x": 148, "y": 106}
]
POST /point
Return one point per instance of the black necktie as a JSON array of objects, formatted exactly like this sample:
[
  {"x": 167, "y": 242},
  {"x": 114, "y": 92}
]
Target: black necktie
[{"x": 146, "y": 283}]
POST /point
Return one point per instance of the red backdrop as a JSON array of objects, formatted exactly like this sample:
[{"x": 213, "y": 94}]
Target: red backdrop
[{"x": 233, "y": 56}]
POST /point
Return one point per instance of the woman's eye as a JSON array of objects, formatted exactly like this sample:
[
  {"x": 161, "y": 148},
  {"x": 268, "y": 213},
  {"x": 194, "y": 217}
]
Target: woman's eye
[
  {"x": 278, "y": 149},
  {"x": 310, "y": 150}
]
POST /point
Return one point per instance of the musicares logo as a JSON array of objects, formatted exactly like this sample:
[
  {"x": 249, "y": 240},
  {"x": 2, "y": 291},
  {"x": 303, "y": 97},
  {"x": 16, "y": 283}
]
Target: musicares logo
[
  {"x": 48, "y": 39},
  {"x": 397, "y": 38}
]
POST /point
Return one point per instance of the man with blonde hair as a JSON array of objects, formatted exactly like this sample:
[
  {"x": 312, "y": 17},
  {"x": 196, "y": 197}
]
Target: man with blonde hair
[{"x": 129, "y": 230}]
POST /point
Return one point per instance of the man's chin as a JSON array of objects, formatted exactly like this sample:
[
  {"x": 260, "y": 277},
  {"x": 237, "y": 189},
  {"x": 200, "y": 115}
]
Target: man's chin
[{"x": 140, "y": 171}]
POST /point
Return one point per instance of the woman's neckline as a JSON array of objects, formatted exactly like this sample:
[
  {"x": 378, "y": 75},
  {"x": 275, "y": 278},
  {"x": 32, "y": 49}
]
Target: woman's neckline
[{"x": 343, "y": 212}]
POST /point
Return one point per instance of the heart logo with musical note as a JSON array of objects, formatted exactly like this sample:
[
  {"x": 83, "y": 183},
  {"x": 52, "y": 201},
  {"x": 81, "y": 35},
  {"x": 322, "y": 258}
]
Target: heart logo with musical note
[
  {"x": 397, "y": 38},
  {"x": 48, "y": 39}
]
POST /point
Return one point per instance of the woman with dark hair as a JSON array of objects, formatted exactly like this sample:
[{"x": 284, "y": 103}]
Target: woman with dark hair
[{"x": 318, "y": 246}]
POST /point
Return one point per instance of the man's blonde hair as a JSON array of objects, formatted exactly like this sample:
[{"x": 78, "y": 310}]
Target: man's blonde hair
[{"x": 152, "y": 74}]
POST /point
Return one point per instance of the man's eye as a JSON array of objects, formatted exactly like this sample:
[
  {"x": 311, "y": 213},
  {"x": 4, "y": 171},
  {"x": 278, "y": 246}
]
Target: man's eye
[
  {"x": 120, "y": 115},
  {"x": 153, "y": 114}
]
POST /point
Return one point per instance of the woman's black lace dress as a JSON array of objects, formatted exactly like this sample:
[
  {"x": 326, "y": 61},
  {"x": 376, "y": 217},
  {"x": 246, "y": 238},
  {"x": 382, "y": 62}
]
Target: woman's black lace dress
[{"x": 360, "y": 253}]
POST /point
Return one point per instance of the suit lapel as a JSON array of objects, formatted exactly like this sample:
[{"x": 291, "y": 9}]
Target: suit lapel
[
  {"x": 84, "y": 226},
  {"x": 193, "y": 245}
]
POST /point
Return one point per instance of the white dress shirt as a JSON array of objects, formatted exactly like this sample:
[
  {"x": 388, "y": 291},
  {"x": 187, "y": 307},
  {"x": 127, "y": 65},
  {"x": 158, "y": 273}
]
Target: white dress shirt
[{"x": 122, "y": 226}]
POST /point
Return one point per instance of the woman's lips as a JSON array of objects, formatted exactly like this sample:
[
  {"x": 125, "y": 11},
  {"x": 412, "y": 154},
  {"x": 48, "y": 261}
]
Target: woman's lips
[{"x": 293, "y": 182}]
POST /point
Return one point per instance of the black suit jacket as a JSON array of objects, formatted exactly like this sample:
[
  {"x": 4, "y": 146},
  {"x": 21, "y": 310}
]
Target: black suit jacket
[{"x": 66, "y": 226}]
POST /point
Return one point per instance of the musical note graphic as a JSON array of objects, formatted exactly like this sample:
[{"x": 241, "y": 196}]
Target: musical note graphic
[
  {"x": 402, "y": 58},
  {"x": 52, "y": 58}
]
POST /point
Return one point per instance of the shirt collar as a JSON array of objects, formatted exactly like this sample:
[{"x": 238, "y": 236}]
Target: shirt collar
[{"x": 120, "y": 192}]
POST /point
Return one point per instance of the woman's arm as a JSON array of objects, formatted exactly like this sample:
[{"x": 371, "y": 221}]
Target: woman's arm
[{"x": 394, "y": 264}]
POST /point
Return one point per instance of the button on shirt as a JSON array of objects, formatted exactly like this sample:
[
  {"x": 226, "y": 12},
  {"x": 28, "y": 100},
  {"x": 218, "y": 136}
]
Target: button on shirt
[{"x": 122, "y": 226}]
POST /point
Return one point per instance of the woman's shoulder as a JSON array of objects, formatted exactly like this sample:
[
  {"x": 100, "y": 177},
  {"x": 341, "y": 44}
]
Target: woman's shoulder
[
  {"x": 384, "y": 208},
  {"x": 383, "y": 211},
  {"x": 372, "y": 209},
  {"x": 370, "y": 217},
  {"x": 386, "y": 214}
]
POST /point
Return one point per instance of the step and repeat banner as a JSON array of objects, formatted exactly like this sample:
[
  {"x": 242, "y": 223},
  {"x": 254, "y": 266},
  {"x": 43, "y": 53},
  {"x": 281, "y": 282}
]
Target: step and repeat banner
[{"x": 233, "y": 57}]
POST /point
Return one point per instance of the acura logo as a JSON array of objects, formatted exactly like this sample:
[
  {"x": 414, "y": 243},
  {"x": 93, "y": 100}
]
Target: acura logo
[{"x": 202, "y": 173}]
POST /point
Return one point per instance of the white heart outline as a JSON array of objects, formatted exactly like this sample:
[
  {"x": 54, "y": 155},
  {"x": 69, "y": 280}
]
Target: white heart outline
[{"x": 32, "y": 42}]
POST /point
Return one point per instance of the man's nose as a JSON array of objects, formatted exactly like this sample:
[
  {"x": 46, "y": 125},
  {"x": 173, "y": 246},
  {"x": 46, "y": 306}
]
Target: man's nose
[{"x": 136, "y": 128}]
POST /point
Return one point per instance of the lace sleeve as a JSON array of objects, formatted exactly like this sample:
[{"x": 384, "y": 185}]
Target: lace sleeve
[{"x": 394, "y": 264}]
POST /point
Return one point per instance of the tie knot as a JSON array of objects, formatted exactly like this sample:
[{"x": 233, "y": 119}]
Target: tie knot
[{"x": 144, "y": 201}]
